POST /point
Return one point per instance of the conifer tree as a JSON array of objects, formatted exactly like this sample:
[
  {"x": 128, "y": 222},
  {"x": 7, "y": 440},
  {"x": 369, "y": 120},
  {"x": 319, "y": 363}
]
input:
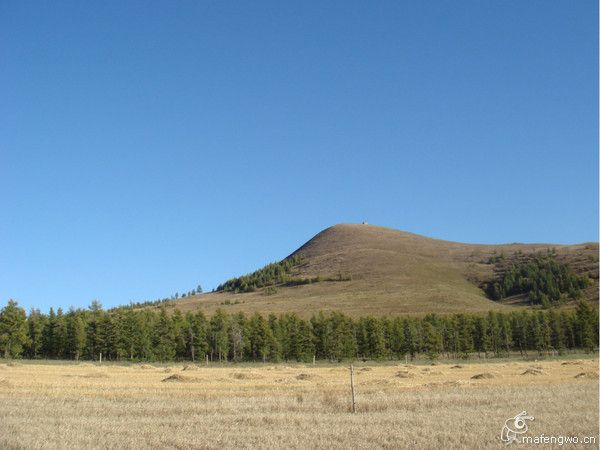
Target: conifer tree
[
  {"x": 35, "y": 326},
  {"x": 93, "y": 334},
  {"x": 432, "y": 340},
  {"x": 60, "y": 335},
  {"x": 180, "y": 333},
  {"x": 480, "y": 336},
  {"x": 465, "y": 335},
  {"x": 48, "y": 342},
  {"x": 13, "y": 330},
  {"x": 198, "y": 335},
  {"x": 410, "y": 337},
  {"x": 557, "y": 332},
  {"x": 75, "y": 339},
  {"x": 219, "y": 339},
  {"x": 396, "y": 344},
  {"x": 163, "y": 337},
  {"x": 587, "y": 331}
]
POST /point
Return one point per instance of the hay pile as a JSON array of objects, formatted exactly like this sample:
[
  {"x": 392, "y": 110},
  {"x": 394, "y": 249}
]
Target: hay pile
[
  {"x": 483, "y": 376},
  {"x": 404, "y": 374},
  {"x": 176, "y": 378},
  {"x": 305, "y": 377},
  {"x": 588, "y": 375},
  {"x": 245, "y": 376},
  {"x": 533, "y": 371}
]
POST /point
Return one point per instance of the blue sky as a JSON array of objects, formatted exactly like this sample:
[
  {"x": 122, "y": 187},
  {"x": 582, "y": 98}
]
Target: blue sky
[{"x": 146, "y": 147}]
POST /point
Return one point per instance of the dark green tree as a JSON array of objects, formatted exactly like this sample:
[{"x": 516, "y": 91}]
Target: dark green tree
[
  {"x": 432, "y": 340},
  {"x": 164, "y": 337},
  {"x": 75, "y": 330},
  {"x": 13, "y": 330},
  {"x": 35, "y": 327}
]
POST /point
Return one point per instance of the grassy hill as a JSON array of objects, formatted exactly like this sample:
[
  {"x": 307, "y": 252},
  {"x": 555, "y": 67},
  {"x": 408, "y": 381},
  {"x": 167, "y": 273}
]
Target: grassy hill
[{"x": 366, "y": 269}]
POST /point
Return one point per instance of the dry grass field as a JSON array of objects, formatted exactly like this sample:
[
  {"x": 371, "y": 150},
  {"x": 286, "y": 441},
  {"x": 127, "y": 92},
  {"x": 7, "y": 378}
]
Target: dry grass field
[
  {"x": 61, "y": 405},
  {"x": 393, "y": 272}
]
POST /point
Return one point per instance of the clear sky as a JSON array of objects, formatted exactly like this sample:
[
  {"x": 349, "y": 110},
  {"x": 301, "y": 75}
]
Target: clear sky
[{"x": 146, "y": 147}]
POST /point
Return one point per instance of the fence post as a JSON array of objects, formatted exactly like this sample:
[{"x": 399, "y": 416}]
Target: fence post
[{"x": 352, "y": 387}]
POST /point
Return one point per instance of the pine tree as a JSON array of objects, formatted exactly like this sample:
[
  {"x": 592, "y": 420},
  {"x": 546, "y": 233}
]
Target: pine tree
[
  {"x": 411, "y": 341},
  {"x": 180, "y": 332},
  {"x": 93, "y": 340},
  {"x": 493, "y": 336},
  {"x": 274, "y": 326},
  {"x": 145, "y": 321},
  {"x": 567, "y": 323},
  {"x": 480, "y": 336},
  {"x": 465, "y": 335},
  {"x": 35, "y": 326},
  {"x": 305, "y": 348},
  {"x": 535, "y": 338},
  {"x": 432, "y": 340},
  {"x": 238, "y": 339},
  {"x": 261, "y": 338},
  {"x": 505, "y": 333},
  {"x": 587, "y": 326},
  {"x": 396, "y": 345},
  {"x": 109, "y": 336},
  {"x": 320, "y": 334},
  {"x": 545, "y": 330},
  {"x": 48, "y": 343},
  {"x": 129, "y": 334},
  {"x": 60, "y": 335},
  {"x": 164, "y": 338},
  {"x": 75, "y": 338},
  {"x": 557, "y": 332},
  {"x": 519, "y": 330},
  {"x": 375, "y": 338},
  {"x": 198, "y": 335},
  {"x": 13, "y": 330},
  {"x": 340, "y": 341},
  {"x": 219, "y": 339}
]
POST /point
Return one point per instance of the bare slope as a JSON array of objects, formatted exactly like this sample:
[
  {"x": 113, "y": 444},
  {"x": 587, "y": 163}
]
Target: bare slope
[{"x": 392, "y": 272}]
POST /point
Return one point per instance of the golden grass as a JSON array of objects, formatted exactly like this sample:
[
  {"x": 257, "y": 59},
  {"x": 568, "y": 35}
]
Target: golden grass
[{"x": 293, "y": 406}]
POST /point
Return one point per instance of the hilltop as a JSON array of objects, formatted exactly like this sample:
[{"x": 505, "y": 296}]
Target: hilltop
[{"x": 366, "y": 269}]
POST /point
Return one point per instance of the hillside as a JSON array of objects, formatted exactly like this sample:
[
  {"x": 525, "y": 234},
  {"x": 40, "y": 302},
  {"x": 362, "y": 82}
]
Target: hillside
[{"x": 366, "y": 269}]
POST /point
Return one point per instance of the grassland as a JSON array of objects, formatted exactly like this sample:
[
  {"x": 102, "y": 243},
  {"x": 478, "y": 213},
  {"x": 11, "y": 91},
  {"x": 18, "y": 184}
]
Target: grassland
[
  {"x": 392, "y": 272},
  {"x": 60, "y": 405}
]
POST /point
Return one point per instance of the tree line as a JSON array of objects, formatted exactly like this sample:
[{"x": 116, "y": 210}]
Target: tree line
[
  {"x": 269, "y": 275},
  {"x": 175, "y": 296},
  {"x": 545, "y": 280},
  {"x": 159, "y": 335},
  {"x": 272, "y": 275}
]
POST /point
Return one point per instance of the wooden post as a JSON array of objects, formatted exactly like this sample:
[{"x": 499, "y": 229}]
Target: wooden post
[
  {"x": 406, "y": 359},
  {"x": 207, "y": 359},
  {"x": 352, "y": 387},
  {"x": 314, "y": 360},
  {"x": 100, "y": 357}
]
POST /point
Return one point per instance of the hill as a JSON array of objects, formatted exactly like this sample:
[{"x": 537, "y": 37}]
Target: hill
[{"x": 365, "y": 269}]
